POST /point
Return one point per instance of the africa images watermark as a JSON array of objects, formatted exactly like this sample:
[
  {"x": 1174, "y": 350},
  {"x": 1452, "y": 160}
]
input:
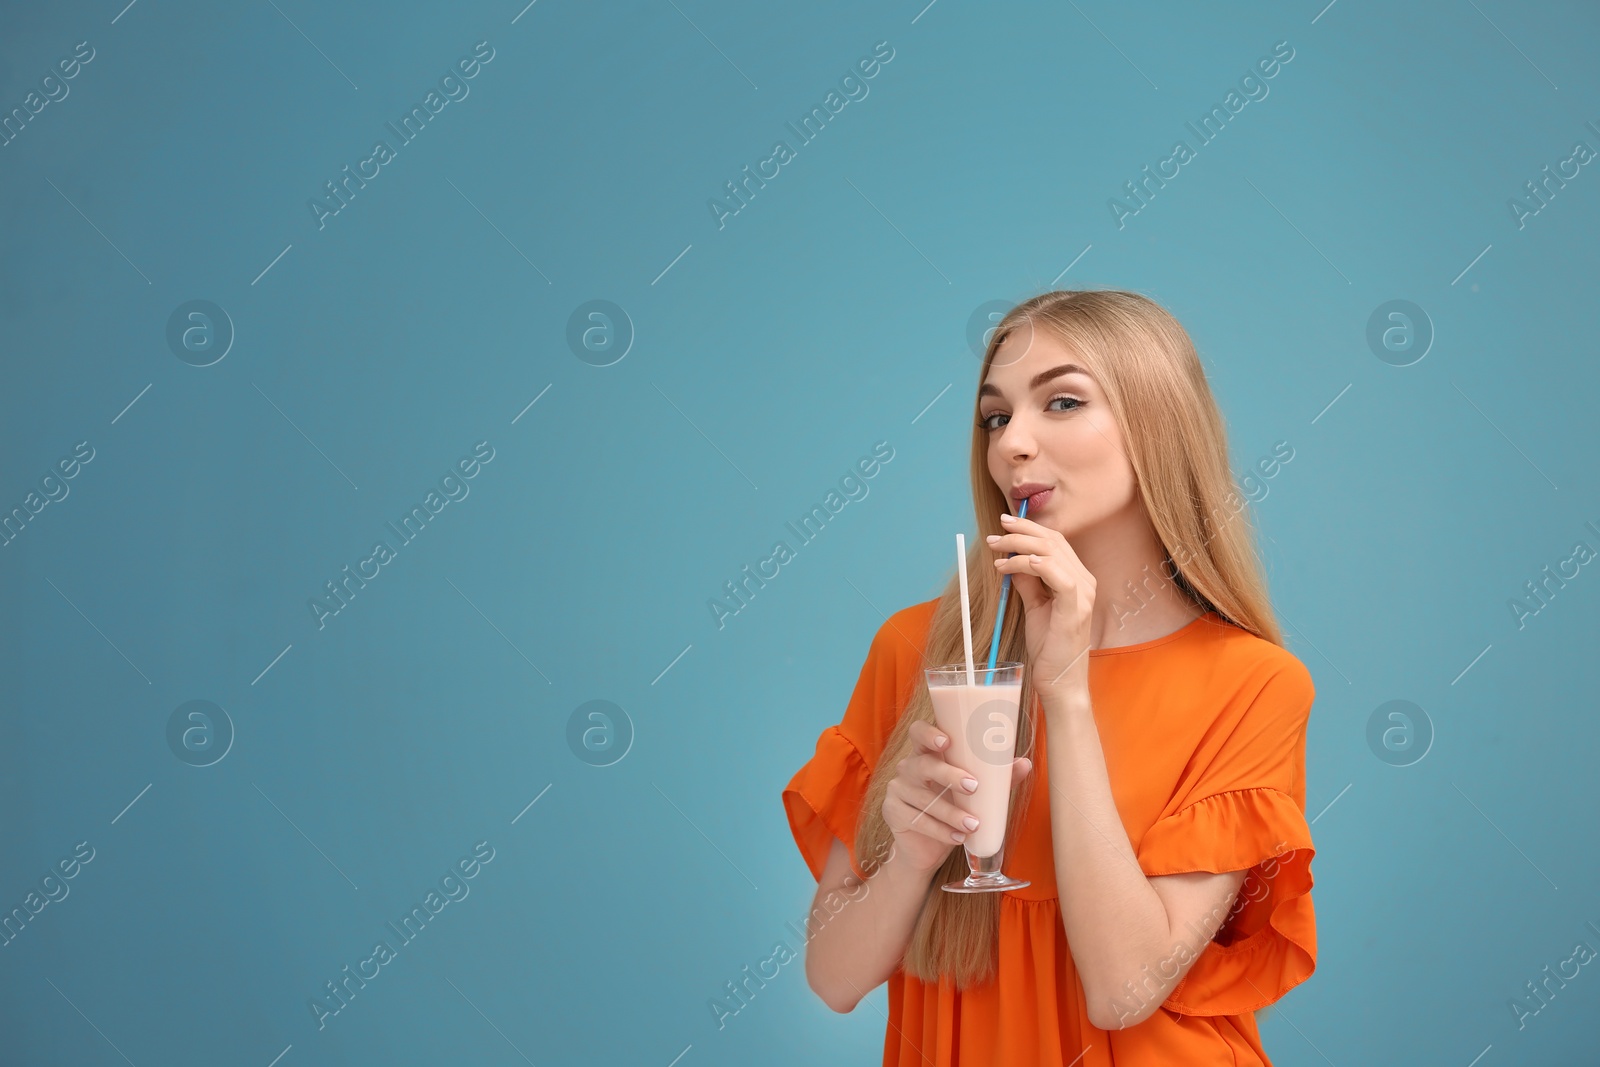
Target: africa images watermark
[
  {"x": 454, "y": 487},
  {"x": 1540, "y": 592},
  {"x": 1541, "y": 994},
  {"x": 53, "y": 889},
  {"x": 55, "y": 488},
  {"x": 830, "y": 904},
  {"x": 452, "y": 85},
  {"x": 1143, "y": 190},
  {"x": 54, "y": 87},
  {"x": 1544, "y": 190},
  {"x": 811, "y": 126},
  {"x": 1268, "y": 467},
  {"x": 1252, "y": 889},
  {"x": 452, "y": 884},
  {"x": 739, "y": 593}
]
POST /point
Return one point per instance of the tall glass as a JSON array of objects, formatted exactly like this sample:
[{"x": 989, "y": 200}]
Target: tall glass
[{"x": 981, "y": 722}]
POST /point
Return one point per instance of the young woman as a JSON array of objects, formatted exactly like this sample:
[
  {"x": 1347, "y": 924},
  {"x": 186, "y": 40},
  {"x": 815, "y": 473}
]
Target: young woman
[{"x": 1158, "y": 798}]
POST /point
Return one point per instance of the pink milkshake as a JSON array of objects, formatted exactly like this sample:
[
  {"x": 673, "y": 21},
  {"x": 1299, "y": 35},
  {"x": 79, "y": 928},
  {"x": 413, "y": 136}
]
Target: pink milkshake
[
  {"x": 981, "y": 722},
  {"x": 978, "y": 709}
]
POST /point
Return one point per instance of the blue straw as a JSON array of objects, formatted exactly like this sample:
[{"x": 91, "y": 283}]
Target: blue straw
[{"x": 1000, "y": 613}]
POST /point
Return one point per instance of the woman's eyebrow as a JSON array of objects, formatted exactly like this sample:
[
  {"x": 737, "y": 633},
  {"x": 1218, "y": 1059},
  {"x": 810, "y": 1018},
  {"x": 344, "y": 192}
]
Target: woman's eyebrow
[{"x": 986, "y": 389}]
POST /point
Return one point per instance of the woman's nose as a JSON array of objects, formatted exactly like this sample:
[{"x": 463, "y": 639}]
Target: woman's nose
[{"x": 1016, "y": 440}]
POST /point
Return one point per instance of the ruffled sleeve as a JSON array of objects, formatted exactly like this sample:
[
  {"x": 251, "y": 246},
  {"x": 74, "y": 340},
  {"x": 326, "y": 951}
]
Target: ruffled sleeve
[
  {"x": 1244, "y": 809},
  {"x": 823, "y": 799}
]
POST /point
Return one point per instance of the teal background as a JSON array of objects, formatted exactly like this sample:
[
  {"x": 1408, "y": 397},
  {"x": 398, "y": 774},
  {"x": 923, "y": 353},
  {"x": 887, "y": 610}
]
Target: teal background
[{"x": 766, "y": 358}]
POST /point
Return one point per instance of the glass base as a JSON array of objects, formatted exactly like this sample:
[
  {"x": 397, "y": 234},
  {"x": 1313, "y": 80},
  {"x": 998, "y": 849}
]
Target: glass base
[
  {"x": 984, "y": 875},
  {"x": 983, "y": 883}
]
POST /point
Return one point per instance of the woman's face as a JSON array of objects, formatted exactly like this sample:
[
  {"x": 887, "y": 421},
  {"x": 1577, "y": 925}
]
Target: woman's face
[{"x": 1048, "y": 424}]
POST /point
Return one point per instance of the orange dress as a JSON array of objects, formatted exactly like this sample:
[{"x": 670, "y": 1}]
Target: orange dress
[{"x": 1204, "y": 738}]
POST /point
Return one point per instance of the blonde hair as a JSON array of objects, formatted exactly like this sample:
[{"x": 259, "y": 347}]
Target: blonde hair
[{"x": 1146, "y": 365}]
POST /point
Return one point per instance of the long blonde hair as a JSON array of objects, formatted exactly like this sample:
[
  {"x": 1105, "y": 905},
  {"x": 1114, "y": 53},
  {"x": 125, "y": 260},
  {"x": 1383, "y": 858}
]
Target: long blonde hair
[{"x": 1146, "y": 365}]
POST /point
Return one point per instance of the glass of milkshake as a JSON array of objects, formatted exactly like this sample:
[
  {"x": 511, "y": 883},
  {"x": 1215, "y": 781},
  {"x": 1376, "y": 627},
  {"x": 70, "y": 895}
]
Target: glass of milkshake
[{"x": 978, "y": 709}]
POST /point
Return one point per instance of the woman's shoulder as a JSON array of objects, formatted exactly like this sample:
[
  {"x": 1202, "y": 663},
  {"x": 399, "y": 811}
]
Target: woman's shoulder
[
  {"x": 904, "y": 633},
  {"x": 1249, "y": 663},
  {"x": 887, "y": 678}
]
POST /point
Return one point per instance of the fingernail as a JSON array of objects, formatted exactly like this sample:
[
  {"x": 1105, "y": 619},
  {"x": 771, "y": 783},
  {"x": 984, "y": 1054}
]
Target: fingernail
[
  {"x": 958, "y": 838},
  {"x": 992, "y": 538},
  {"x": 970, "y": 823},
  {"x": 971, "y": 786},
  {"x": 939, "y": 742},
  {"x": 1007, "y": 517}
]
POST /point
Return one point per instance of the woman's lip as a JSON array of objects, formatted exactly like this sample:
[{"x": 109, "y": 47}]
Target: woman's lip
[{"x": 1037, "y": 500}]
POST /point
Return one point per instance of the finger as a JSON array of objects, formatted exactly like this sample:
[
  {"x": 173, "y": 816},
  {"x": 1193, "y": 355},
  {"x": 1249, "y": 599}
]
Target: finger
[
  {"x": 1013, "y": 564},
  {"x": 930, "y": 770},
  {"x": 1031, "y": 589},
  {"x": 932, "y": 814},
  {"x": 1060, "y": 545},
  {"x": 927, "y": 780},
  {"x": 1019, "y": 524},
  {"x": 1025, "y": 574},
  {"x": 939, "y": 817},
  {"x": 925, "y": 736},
  {"x": 1027, "y": 562},
  {"x": 1020, "y": 768},
  {"x": 1019, "y": 542},
  {"x": 1052, "y": 538},
  {"x": 1044, "y": 567}
]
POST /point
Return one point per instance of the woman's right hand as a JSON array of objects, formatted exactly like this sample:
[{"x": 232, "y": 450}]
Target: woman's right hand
[{"x": 919, "y": 805}]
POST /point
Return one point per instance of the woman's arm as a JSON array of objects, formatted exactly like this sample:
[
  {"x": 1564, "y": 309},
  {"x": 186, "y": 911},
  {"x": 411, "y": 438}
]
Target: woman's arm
[
  {"x": 1132, "y": 937},
  {"x": 857, "y": 932}
]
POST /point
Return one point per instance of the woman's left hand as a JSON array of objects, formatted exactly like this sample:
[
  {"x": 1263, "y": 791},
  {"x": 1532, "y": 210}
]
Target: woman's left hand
[{"x": 1057, "y": 593}]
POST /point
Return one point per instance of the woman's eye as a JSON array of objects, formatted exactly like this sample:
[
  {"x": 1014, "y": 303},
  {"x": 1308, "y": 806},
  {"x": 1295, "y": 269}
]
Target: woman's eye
[{"x": 987, "y": 422}]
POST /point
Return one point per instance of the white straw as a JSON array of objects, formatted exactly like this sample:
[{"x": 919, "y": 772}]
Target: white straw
[{"x": 966, "y": 605}]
